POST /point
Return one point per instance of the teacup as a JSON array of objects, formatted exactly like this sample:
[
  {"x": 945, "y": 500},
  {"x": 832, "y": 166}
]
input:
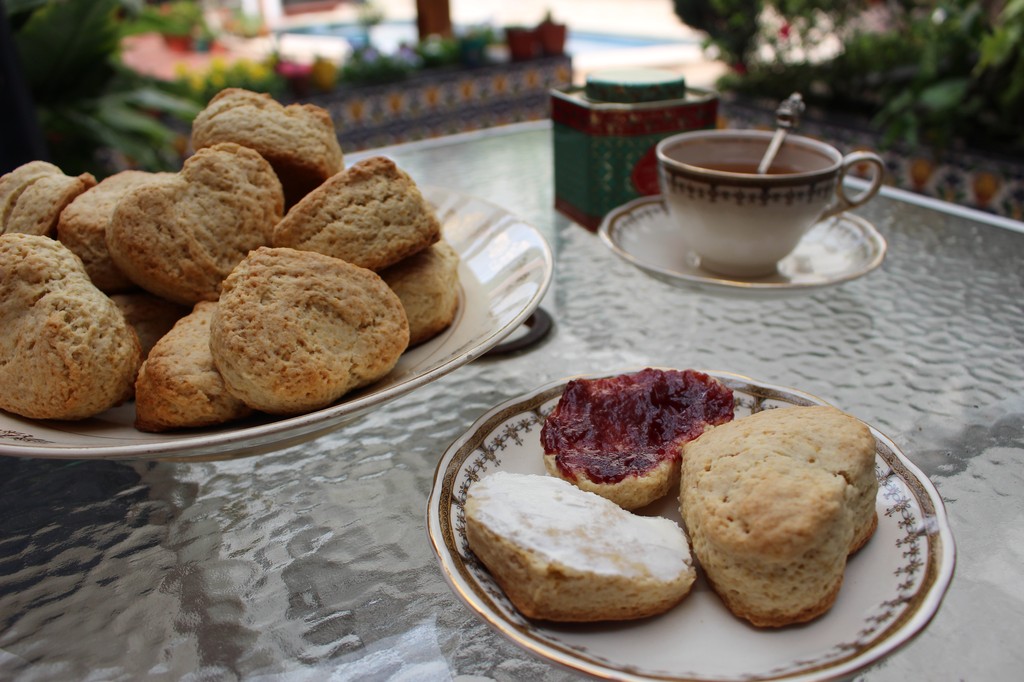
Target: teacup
[{"x": 742, "y": 223}]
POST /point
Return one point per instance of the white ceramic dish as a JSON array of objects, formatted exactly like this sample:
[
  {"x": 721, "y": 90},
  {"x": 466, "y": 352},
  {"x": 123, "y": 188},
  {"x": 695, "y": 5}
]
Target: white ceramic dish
[
  {"x": 506, "y": 266},
  {"x": 892, "y": 587},
  {"x": 833, "y": 251}
]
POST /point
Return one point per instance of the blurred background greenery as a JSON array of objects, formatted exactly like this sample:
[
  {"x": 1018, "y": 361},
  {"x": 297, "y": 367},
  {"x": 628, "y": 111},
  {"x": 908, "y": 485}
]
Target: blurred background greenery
[
  {"x": 935, "y": 73},
  {"x": 941, "y": 74},
  {"x": 95, "y": 114}
]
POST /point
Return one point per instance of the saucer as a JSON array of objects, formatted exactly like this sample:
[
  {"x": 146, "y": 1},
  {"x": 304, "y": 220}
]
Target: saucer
[{"x": 835, "y": 250}]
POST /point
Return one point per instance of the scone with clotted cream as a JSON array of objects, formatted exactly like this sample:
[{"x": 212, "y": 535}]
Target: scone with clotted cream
[{"x": 564, "y": 554}]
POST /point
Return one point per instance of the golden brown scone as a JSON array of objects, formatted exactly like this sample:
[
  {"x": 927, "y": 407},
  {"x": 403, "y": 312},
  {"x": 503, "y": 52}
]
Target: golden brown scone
[
  {"x": 371, "y": 215},
  {"x": 66, "y": 351},
  {"x": 33, "y": 195},
  {"x": 178, "y": 385},
  {"x": 83, "y": 227},
  {"x": 298, "y": 140},
  {"x": 563, "y": 554},
  {"x": 180, "y": 238},
  {"x": 150, "y": 316},
  {"x": 296, "y": 330},
  {"x": 428, "y": 286},
  {"x": 774, "y": 503}
]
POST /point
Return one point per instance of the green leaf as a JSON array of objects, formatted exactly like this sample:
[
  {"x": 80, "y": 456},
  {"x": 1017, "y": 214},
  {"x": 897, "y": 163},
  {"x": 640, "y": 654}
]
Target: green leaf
[
  {"x": 15, "y": 7},
  {"x": 114, "y": 114},
  {"x": 154, "y": 99},
  {"x": 944, "y": 95},
  {"x": 66, "y": 48},
  {"x": 142, "y": 139}
]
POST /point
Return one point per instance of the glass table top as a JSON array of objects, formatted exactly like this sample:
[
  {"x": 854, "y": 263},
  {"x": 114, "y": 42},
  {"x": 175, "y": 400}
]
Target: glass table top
[{"x": 313, "y": 561}]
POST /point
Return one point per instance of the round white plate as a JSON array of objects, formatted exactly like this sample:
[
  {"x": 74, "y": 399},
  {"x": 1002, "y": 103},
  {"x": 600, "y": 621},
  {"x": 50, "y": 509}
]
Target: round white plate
[
  {"x": 892, "y": 587},
  {"x": 833, "y": 251},
  {"x": 506, "y": 266}
]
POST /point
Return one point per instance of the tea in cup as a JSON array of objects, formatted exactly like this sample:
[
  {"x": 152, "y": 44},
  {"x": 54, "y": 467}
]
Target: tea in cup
[{"x": 740, "y": 222}]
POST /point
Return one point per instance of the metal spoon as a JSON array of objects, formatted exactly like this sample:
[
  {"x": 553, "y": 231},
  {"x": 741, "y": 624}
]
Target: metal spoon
[{"x": 787, "y": 116}]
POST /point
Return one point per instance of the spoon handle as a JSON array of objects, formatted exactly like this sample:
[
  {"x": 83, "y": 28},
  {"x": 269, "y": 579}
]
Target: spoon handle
[
  {"x": 773, "y": 149},
  {"x": 787, "y": 116}
]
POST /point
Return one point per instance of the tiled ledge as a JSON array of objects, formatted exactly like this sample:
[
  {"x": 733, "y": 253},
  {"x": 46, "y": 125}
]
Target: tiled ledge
[{"x": 444, "y": 101}]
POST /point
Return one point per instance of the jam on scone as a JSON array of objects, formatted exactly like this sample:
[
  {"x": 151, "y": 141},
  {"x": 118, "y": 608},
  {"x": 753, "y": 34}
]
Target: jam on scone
[{"x": 620, "y": 436}]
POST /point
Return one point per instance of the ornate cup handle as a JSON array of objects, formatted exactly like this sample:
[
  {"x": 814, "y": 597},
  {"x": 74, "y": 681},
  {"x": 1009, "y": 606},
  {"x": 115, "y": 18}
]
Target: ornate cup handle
[{"x": 845, "y": 203}]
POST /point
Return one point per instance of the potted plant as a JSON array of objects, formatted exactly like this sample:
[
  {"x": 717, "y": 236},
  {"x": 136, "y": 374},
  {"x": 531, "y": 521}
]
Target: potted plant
[
  {"x": 552, "y": 36},
  {"x": 436, "y": 51},
  {"x": 297, "y": 75},
  {"x": 96, "y": 114},
  {"x": 523, "y": 43},
  {"x": 473, "y": 46},
  {"x": 181, "y": 23},
  {"x": 369, "y": 66}
]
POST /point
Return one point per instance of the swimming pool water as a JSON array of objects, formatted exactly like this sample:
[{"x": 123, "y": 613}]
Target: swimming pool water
[{"x": 388, "y": 36}]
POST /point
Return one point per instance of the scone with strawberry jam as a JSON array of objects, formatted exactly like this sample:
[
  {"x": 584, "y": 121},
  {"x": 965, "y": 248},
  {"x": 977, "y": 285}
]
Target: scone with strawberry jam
[{"x": 620, "y": 436}]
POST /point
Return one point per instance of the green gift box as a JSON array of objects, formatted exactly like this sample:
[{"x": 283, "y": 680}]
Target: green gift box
[{"x": 605, "y": 134}]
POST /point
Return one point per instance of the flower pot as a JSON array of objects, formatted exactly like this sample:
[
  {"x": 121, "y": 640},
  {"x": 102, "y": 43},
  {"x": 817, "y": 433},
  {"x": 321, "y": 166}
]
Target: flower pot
[
  {"x": 299, "y": 78},
  {"x": 552, "y": 38},
  {"x": 473, "y": 51},
  {"x": 178, "y": 43},
  {"x": 523, "y": 44}
]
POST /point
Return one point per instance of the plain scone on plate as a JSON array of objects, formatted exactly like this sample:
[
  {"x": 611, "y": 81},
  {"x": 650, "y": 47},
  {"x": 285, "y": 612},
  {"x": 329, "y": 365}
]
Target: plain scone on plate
[
  {"x": 296, "y": 330},
  {"x": 82, "y": 227},
  {"x": 66, "y": 350},
  {"x": 33, "y": 195},
  {"x": 150, "y": 316},
  {"x": 179, "y": 237},
  {"x": 774, "y": 503},
  {"x": 299, "y": 140},
  {"x": 563, "y": 554},
  {"x": 178, "y": 385},
  {"x": 427, "y": 284},
  {"x": 371, "y": 214}
]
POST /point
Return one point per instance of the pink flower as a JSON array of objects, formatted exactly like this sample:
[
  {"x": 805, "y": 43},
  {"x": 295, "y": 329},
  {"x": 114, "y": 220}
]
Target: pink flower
[{"x": 294, "y": 70}]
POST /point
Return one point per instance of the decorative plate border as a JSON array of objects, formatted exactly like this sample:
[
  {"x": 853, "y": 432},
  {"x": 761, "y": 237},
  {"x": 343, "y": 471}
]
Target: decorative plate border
[{"x": 926, "y": 543}]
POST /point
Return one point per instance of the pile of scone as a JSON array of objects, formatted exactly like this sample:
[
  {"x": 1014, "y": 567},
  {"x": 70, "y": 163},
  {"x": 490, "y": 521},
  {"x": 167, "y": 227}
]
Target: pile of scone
[
  {"x": 264, "y": 276},
  {"x": 773, "y": 504}
]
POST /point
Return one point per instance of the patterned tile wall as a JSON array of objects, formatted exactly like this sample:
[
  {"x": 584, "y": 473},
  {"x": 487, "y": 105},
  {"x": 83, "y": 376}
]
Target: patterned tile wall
[{"x": 443, "y": 102}]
